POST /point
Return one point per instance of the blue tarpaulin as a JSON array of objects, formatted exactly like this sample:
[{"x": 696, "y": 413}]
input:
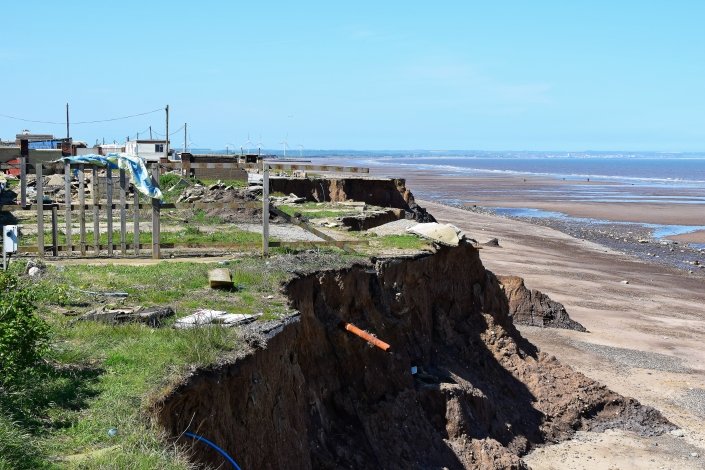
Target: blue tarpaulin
[{"x": 134, "y": 166}]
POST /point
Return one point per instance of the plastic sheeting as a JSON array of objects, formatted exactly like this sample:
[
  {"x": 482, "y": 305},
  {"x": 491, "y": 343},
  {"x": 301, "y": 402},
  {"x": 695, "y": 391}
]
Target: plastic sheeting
[{"x": 134, "y": 166}]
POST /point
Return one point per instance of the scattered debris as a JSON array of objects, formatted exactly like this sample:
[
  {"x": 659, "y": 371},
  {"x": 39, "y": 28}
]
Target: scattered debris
[
  {"x": 624, "y": 282},
  {"x": 445, "y": 234},
  {"x": 220, "y": 278},
  {"x": 151, "y": 316},
  {"x": 105, "y": 294},
  {"x": 367, "y": 337},
  {"x": 492, "y": 242},
  {"x": 205, "y": 317},
  {"x": 290, "y": 199},
  {"x": 34, "y": 272}
]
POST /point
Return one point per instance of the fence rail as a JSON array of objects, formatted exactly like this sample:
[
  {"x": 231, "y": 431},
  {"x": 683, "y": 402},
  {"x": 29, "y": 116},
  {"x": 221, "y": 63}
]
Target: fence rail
[{"x": 106, "y": 199}]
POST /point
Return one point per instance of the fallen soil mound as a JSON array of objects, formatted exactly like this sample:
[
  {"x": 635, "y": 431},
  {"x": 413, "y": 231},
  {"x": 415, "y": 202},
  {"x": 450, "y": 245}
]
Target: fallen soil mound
[
  {"x": 460, "y": 387},
  {"x": 534, "y": 308}
]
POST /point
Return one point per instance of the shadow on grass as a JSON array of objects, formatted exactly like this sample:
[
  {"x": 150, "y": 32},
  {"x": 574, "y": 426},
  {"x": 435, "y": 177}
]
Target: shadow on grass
[{"x": 48, "y": 397}]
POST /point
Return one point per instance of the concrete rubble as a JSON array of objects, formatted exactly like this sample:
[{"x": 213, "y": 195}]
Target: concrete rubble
[
  {"x": 445, "y": 234},
  {"x": 205, "y": 317},
  {"x": 217, "y": 192},
  {"x": 151, "y": 316}
]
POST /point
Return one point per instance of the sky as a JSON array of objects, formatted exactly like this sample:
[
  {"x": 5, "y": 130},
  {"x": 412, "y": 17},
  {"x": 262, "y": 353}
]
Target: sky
[{"x": 510, "y": 75}]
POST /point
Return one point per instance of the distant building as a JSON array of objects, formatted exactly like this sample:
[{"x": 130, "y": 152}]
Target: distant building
[
  {"x": 150, "y": 150},
  {"x": 110, "y": 148}
]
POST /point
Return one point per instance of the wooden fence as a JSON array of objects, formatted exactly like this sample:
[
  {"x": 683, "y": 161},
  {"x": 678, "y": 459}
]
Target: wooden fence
[{"x": 105, "y": 200}]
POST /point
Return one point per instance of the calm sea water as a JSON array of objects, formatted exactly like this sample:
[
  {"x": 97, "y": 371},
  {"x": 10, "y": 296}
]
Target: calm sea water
[{"x": 668, "y": 169}]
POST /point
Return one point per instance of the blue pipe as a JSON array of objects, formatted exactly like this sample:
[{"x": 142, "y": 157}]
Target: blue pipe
[{"x": 221, "y": 451}]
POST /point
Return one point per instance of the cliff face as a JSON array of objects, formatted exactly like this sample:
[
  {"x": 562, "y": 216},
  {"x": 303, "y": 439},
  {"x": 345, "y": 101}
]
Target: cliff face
[
  {"x": 320, "y": 397},
  {"x": 391, "y": 193},
  {"x": 533, "y": 307}
]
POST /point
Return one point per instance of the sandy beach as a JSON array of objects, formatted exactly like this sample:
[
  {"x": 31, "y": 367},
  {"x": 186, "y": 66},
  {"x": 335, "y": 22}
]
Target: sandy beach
[
  {"x": 646, "y": 329},
  {"x": 590, "y": 199}
]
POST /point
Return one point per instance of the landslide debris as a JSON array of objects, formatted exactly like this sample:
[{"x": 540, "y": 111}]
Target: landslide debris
[
  {"x": 318, "y": 397},
  {"x": 534, "y": 308}
]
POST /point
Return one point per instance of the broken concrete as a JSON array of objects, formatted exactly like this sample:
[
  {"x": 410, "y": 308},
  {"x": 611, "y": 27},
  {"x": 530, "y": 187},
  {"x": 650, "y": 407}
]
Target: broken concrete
[
  {"x": 444, "y": 234},
  {"x": 206, "y": 317},
  {"x": 151, "y": 316}
]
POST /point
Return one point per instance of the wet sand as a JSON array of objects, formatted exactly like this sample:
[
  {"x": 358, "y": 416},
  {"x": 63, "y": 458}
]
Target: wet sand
[
  {"x": 591, "y": 199},
  {"x": 645, "y": 338}
]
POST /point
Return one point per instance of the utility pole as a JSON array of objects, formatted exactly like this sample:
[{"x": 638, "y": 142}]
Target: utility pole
[
  {"x": 68, "y": 135},
  {"x": 150, "y": 132},
  {"x": 185, "y": 124},
  {"x": 166, "y": 146}
]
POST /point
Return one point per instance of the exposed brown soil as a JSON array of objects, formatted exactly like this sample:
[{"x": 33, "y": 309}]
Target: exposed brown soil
[
  {"x": 534, "y": 308},
  {"x": 319, "y": 397},
  {"x": 383, "y": 192}
]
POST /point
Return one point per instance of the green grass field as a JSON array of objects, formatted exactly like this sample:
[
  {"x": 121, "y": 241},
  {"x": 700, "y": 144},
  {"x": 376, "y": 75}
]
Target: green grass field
[{"x": 100, "y": 376}]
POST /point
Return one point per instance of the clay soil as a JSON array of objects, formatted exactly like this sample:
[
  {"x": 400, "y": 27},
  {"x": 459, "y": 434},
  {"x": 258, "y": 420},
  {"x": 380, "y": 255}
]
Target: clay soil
[
  {"x": 646, "y": 327},
  {"x": 481, "y": 395}
]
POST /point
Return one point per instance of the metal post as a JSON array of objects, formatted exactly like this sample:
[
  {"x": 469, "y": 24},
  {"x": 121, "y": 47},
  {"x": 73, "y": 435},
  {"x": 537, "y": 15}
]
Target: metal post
[
  {"x": 265, "y": 209},
  {"x": 166, "y": 144}
]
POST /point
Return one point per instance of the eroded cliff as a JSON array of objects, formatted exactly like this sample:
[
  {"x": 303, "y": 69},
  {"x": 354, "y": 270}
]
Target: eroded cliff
[{"x": 318, "y": 397}]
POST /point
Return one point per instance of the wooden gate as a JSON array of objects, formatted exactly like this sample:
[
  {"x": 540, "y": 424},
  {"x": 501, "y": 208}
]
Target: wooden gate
[{"x": 101, "y": 209}]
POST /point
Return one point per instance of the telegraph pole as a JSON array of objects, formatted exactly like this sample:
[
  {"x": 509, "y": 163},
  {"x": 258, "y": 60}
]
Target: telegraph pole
[
  {"x": 166, "y": 145},
  {"x": 185, "y": 124},
  {"x": 68, "y": 135},
  {"x": 150, "y": 132}
]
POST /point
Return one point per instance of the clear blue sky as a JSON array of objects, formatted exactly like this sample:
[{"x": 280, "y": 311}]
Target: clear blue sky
[{"x": 515, "y": 75}]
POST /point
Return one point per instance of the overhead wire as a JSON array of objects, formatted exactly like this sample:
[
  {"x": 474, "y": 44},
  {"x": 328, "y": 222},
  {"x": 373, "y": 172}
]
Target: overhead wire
[{"x": 81, "y": 122}]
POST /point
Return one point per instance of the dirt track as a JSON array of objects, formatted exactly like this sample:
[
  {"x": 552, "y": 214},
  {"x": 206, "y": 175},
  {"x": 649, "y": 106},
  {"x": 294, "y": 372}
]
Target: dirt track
[{"x": 645, "y": 337}]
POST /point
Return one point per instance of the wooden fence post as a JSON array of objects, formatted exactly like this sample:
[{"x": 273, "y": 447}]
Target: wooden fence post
[
  {"x": 265, "y": 209},
  {"x": 40, "y": 209},
  {"x": 155, "y": 214},
  {"x": 54, "y": 230},
  {"x": 23, "y": 180},
  {"x": 136, "y": 220},
  {"x": 96, "y": 210},
  {"x": 123, "y": 201},
  {"x": 109, "y": 195},
  {"x": 82, "y": 207},
  {"x": 67, "y": 203}
]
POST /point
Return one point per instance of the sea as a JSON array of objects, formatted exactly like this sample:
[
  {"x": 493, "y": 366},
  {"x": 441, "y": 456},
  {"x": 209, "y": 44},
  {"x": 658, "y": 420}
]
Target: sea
[{"x": 614, "y": 177}]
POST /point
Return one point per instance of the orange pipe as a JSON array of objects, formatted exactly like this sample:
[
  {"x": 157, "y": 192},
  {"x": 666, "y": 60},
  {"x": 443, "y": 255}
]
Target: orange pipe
[{"x": 367, "y": 337}]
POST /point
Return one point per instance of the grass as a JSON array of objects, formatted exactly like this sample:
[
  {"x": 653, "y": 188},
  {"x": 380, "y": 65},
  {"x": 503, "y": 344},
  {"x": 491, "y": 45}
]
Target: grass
[
  {"x": 100, "y": 376},
  {"x": 314, "y": 210},
  {"x": 400, "y": 242}
]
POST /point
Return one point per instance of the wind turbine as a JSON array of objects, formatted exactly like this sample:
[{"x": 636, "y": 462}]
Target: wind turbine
[
  {"x": 248, "y": 144},
  {"x": 259, "y": 146},
  {"x": 285, "y": 144},
  {"x": 227, "y": 147},
  {"x": 301, "y": 150}
]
